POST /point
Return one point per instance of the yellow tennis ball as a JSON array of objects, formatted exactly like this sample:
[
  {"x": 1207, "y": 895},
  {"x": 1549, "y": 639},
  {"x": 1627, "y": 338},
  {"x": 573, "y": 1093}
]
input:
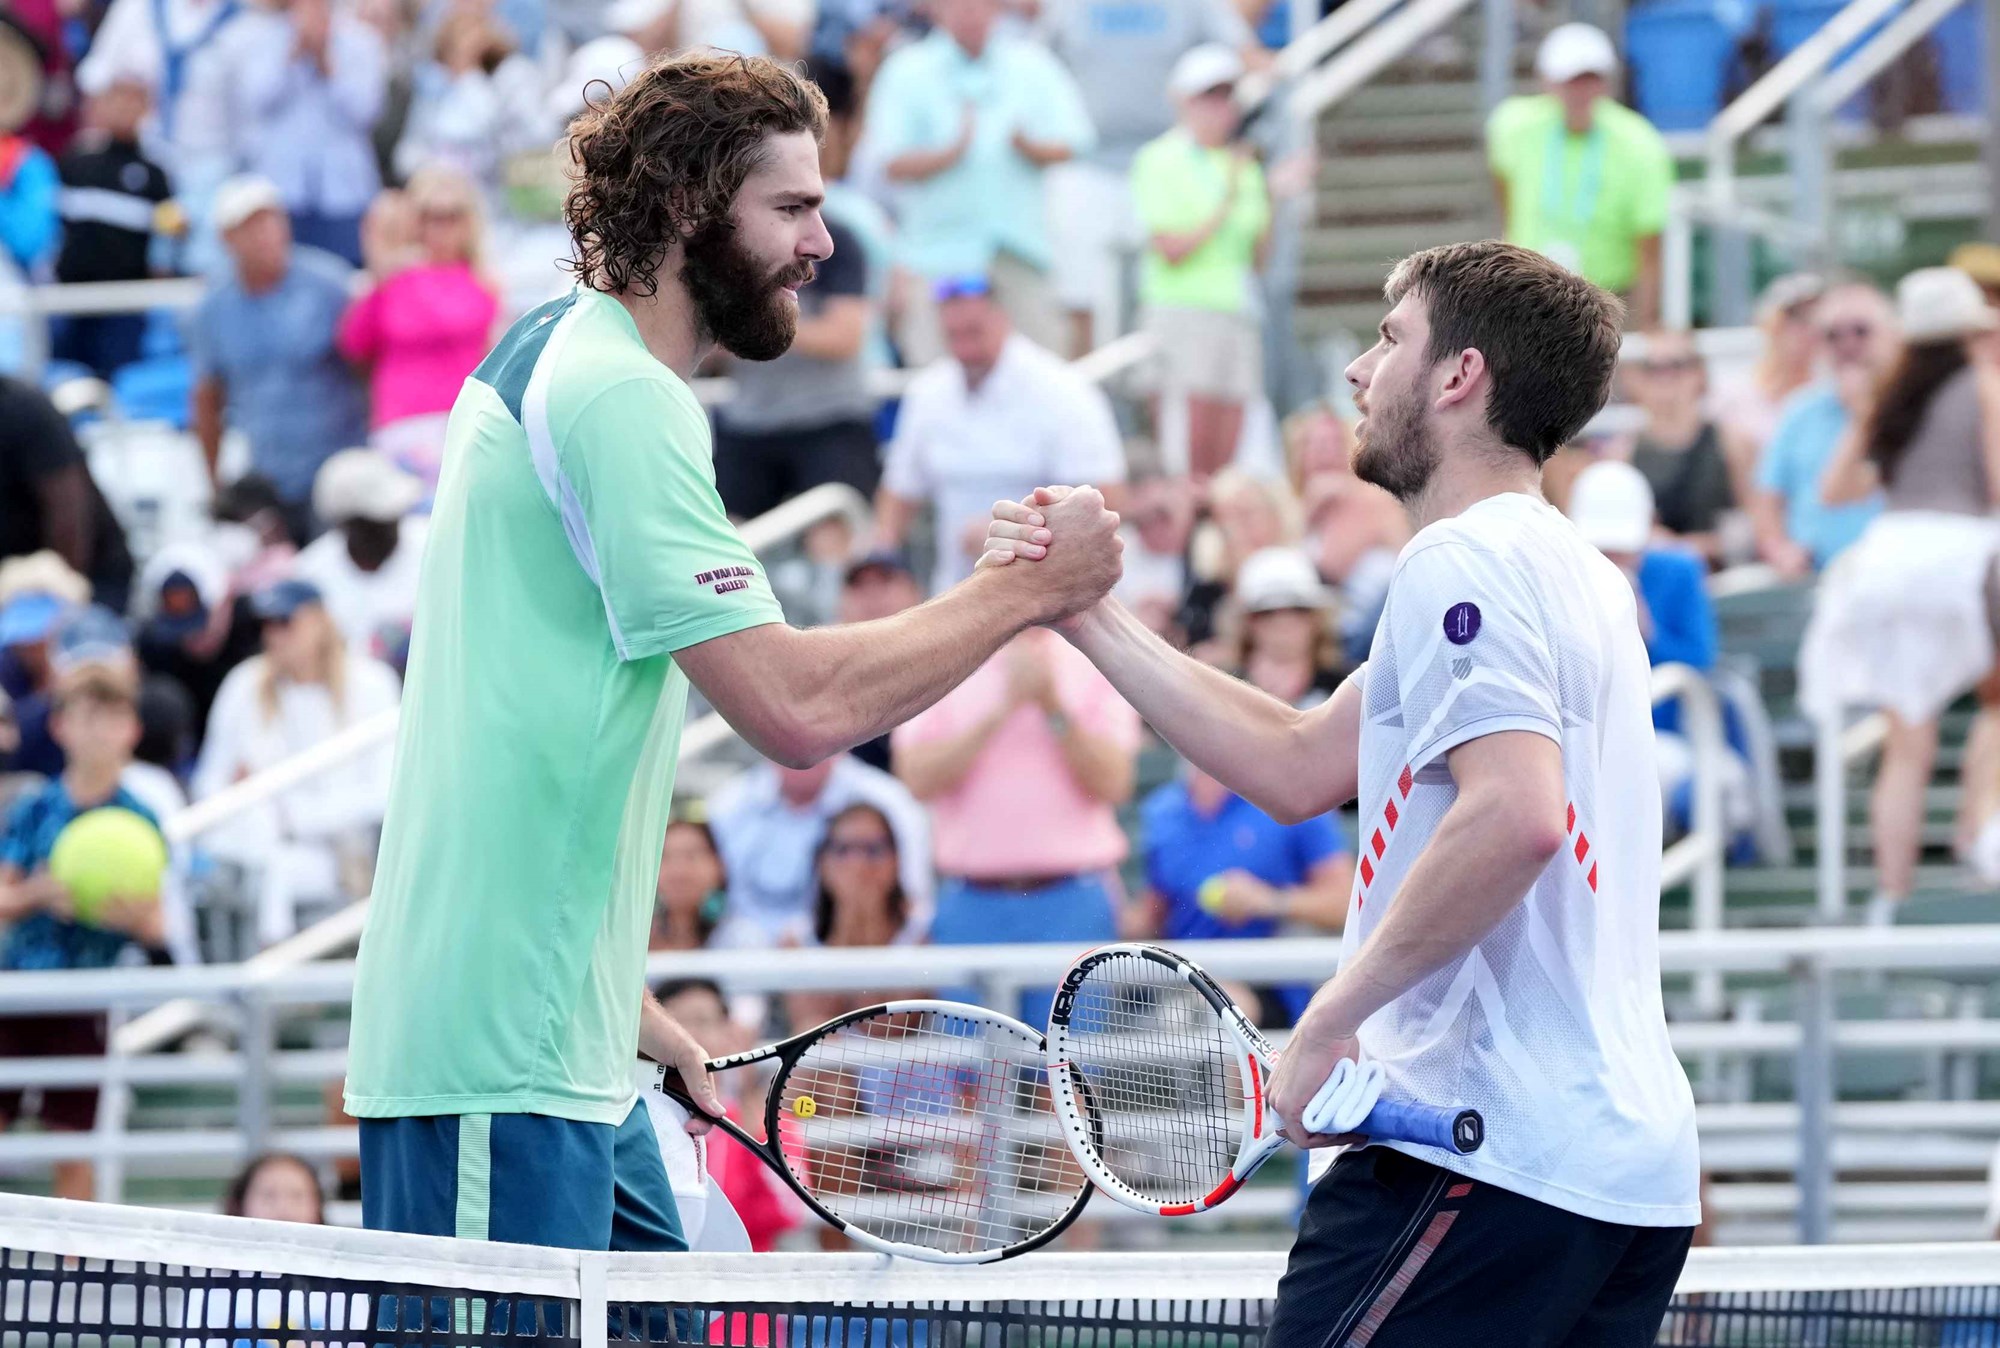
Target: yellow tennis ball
[
  {"x": 1209, "y": 896},
  {"x": 105, "y": 854},
  {"x": 805, "y": 1106}
]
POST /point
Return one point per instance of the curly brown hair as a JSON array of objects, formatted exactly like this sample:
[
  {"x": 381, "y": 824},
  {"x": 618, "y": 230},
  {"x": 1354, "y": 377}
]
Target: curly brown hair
[{"x": 666, "y": 155}]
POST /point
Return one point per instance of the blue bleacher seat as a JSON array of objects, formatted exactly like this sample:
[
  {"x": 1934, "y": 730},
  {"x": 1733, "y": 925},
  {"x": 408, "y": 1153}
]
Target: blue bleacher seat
[
  {"x": 1679, "y": 53},
  {"x": 158, "y": 389}
]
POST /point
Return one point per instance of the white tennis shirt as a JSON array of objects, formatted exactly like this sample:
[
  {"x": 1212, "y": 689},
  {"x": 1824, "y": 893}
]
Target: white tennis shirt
[{"x": 1502, "y": 618}]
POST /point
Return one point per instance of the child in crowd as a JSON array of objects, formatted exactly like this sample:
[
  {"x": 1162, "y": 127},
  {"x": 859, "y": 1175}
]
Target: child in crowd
[{"x": 95, "y": 719}]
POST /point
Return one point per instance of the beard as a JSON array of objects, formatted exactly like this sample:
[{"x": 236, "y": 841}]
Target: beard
[
  {"x": 737, "y": 303},
  {"x": 1397, "y": 451}
]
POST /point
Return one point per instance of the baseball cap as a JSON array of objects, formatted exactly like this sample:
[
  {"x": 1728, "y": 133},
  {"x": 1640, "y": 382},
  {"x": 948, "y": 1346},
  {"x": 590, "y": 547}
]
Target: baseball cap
[
  {"x": 92, "y": 635},
  {"x": 360, "y": 484},
  {"x": 1788, "y": 292},
  {"x": 1611, "y": 504},
  {"x": 242, "y": 197},
  {"x": 29, "y": 617},
  {"x": 1936, "y": 304},
  {"x": 1208, "y": 66},
  {"x": 1575, "y": 49},
  {"x": 891, "y": 560},
  {"x": 1280, "y": 578},
  {"x": 281, "y": 599}
]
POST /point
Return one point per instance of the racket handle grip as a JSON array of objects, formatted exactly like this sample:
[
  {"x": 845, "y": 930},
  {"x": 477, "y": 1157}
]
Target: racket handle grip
[{"x": 1447, "y": 1127}]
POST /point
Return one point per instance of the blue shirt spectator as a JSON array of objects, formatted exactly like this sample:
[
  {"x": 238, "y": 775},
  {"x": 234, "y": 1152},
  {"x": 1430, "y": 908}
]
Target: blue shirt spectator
[
  {"x": 1219, "y": 868},
  {"x": 1796, "y": 460},
  {"x": 264, "y": 354},
  {"x": 1679, "y": 621},
  {"x": 966, "y": 123},
  {"x": 29, "y": 186},
  {"x": 313, "y": 82}
]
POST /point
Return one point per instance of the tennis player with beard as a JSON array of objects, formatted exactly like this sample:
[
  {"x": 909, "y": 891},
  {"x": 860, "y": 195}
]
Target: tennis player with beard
[
  {"x": 580, "y": 574},
  {"x": 1501, "y": 948}
]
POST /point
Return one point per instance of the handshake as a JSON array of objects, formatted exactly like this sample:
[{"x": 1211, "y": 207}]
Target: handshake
[{"x": 1060, "y": 548}]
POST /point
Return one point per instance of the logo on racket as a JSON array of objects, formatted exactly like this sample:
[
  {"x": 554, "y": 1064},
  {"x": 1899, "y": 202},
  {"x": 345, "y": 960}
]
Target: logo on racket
[
  {"x": 1468, "y": 1130},
  {"x": 805, "y": 1106}
]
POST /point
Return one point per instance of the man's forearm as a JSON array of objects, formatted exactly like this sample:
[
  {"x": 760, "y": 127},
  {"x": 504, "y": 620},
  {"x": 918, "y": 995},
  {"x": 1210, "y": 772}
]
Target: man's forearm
[{"x": 1243, "y": 737}]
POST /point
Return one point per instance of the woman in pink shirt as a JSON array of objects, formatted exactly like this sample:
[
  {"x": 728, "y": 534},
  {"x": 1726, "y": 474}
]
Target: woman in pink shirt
[{"x": 427, "y": 320}]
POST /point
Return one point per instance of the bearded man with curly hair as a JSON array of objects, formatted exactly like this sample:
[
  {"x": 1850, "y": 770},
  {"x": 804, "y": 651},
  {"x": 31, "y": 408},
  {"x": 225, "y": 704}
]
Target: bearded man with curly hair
[{"x": 580, "y": 574}]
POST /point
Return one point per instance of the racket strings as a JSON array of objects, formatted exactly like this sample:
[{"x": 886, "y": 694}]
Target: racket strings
[
  {"x": 1161, "y": 1077},
  {"x": 929, "y": 1129}
]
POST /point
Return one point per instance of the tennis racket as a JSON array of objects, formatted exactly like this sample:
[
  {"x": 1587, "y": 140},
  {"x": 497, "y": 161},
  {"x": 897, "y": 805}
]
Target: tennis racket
[
  {"x": 919, "y": 1128},
  {"x": 1159, "y": 1081}
]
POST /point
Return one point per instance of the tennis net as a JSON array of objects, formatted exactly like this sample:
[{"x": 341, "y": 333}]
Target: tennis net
[{"x": 88, "y": 1276}]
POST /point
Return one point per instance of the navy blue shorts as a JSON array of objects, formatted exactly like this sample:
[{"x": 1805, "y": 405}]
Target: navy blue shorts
[{"x": 525, "y": 1178}]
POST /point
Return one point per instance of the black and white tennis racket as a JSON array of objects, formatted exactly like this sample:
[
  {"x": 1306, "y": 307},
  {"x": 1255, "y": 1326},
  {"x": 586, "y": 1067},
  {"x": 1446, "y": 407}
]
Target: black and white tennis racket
[
  {"x": 1159, "y": 1080},
  {"x": 919, "y": 1128}
]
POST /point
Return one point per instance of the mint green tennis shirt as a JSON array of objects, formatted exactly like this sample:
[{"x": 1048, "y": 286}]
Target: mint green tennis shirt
[{"x": 576, "y": 544}]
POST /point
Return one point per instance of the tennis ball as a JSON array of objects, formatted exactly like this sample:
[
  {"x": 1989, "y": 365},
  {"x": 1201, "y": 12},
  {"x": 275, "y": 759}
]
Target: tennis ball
[
  {"x": 1209, "y": 896},
  {"x": 105, "y": 854}
]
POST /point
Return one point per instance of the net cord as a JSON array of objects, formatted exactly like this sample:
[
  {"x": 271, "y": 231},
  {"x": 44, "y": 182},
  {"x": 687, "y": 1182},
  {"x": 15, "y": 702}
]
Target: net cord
[{"x": 144, "y": 1235}]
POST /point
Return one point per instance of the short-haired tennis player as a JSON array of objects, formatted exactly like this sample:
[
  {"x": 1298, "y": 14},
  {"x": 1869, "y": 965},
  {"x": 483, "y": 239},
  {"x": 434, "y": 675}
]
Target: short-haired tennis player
[
  {"x": 1501, "y": 948},
  {"x": 580, "y": 575}
]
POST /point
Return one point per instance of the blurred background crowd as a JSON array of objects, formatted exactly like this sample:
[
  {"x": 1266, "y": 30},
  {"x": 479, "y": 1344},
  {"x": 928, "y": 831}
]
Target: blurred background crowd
[{"x": 212, "y": 511}]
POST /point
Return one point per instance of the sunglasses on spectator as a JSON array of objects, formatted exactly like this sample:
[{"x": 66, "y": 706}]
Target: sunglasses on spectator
[
  {"x": 961, "y": 288},
  {"x": 867, "y": 851},
  {"x": 1848, "y": 332}
]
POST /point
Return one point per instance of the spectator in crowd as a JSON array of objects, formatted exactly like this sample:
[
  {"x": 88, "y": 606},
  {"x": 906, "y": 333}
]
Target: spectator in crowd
[
  {"x": 1122, "y": 56},
  {"x": 860, "y": 902},
  {"x": 192, "y": 630},
  {"x": 48, "y": 499},
  {"x": 807, "y": 417},
  {"x": 1611, "y": 505},
  {"x": 312, "y": 844},
  {"x": 1354, "y": 531},
  {"x": 808, "y": 582},
  {"x": 424, "y": 323},
  {"x": 478, "y": 101},
  {"x": 183, "y": 51},
  {"x": 1289, "y": 645},
  {"x": 312, "y": 80},
  {"x": 775, "y": 28},
  {"x": 769, "y": 823},
  {"x": 276, "y": 1187},
  {"x": 1200, "y": 193},
  {"x": 114, "y": 200},
  {"x": 264, "y": 355},
  {"x": 766, "y": 1209},
  {"x": 1580, "y": 176},
  {"x": 96, "y": 720},
  {"x": 851, "y": 204},
  {"x": 1218, "y": 868},
  {"x": 693, "y": 888},
  {"x": 29, "y": 188},
  {"x": 367, "y": 564},
  {"x": 36, "y": 593},
  {"x": 1245, "y": 514},
  {"x": 965, "y": 122},
  {"x": 1747, "y": 408},
  {"x": 1024, "y": 766},
  {"x": 1797, "y": 531},
  {"x": 1905, "y": 622},
  {"x": 1156, "y": 542},
  {"x": 1679, "y": 449},
  {"x": 878, "y": 584},
  {"x": 996, "y": 418}
]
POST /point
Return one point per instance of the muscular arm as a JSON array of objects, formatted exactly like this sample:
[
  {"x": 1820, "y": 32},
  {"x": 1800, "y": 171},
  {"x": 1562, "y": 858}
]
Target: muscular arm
[
  {"x": 801, "y": 695},
  {"x": 1288, "y": 763}
]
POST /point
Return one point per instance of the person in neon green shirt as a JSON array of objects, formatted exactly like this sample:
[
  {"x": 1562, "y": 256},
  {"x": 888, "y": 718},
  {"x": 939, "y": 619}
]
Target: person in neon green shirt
[
  {"x": 580, "y": 576},
  {"x": 1201, "y": 195},
  {"x": 1581, "y": 178}
]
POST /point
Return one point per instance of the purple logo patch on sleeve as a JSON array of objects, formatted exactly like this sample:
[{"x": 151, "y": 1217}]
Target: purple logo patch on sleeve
[{"x": 1461, "y": 623}]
